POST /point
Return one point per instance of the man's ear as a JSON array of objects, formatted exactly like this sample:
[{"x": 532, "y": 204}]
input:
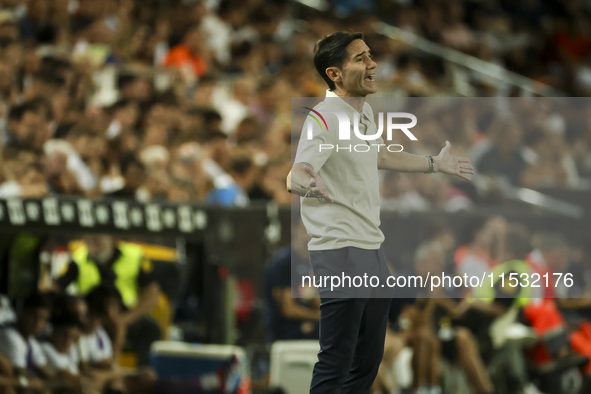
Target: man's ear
[{"x": 334, "y": 74}]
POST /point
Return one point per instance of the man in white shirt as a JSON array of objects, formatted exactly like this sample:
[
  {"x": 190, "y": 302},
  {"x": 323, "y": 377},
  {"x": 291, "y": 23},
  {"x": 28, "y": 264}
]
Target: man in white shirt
[
  {"x": 340, "y": 210},
  {"x": 19, "y": 346},
  {"x": 96, "y": 347},
  {"x": 60, "y": 351}
]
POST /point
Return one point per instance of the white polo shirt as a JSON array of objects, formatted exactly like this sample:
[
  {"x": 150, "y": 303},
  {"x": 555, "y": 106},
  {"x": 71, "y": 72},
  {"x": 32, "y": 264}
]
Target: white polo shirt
[
  {"x": 21, "y": 352},
  {"x": 96, "y": 347},
  {"x": 61, "y": 361},
  {"x": 350, "y": 176}
]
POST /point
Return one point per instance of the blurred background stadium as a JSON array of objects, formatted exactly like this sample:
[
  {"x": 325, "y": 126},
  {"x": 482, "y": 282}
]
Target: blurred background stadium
[{"x": 164, "y": 127}]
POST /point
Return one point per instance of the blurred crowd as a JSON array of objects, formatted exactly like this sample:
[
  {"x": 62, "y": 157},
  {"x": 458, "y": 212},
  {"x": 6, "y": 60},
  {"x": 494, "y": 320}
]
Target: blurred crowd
[
  {"x": 501, "y": 338},
  {"x": 189, "y": 100},
  {"x": 62, "y": 344}
]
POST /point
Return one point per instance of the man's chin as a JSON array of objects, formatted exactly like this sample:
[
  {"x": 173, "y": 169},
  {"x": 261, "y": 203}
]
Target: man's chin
[
  {"x": 371, "y": 88},
  {"x": 371, "y": 91}
]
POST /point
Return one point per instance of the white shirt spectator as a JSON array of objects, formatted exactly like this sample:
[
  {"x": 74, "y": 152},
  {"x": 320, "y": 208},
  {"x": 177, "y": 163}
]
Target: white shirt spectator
[
  {"x": 61, "y": 361},
  {"x": 218, "y": 35},
  {"x": 96, "y": 347},
  {"x": 87, "y": 180},
  {"x": 21, "y": 352},
  {"x": 10, "y": 189},
  {"x": 7, "y": 315},
  {"x": 231, "y": 110}
]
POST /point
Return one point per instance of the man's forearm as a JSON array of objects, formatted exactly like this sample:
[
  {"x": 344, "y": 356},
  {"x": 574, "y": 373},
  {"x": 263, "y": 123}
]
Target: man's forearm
[
  {"x": 148, "y": 300},
  {"x": 404, "y": 162},
  {"x": 292, "y": 310}
]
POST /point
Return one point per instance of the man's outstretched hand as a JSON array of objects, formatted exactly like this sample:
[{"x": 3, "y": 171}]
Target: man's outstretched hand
[
  {"x": 304, "y": 181},
  {"x": 453, "y": 165}
]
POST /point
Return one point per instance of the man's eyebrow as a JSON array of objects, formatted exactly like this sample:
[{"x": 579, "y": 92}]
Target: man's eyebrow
[{"x": 360, "y": 54}]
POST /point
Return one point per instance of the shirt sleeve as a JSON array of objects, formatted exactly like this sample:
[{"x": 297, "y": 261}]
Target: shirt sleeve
[
  {"x": 50, "y": 356},
  {"x": 83, "y": 350},
  {"x": 74, "y": 360},
  {"x": 39, "y": 358},
  {"x": 316, "y": 150},
  {"x": 13, "y": 348}
]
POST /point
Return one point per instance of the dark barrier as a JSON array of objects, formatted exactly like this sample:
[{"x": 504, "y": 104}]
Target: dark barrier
[{"x": 79, "y": 215}]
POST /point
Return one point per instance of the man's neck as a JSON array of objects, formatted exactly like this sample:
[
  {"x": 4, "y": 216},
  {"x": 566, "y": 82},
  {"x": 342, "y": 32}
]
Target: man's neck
[
  {"x": 354, "y": 101},
  {"x": 110, "y": 261}
]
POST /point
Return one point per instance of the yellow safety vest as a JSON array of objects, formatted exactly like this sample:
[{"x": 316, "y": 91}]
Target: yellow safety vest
[
  {"x": 487, "y": 293},
  {"x": 126, "y": 268}
]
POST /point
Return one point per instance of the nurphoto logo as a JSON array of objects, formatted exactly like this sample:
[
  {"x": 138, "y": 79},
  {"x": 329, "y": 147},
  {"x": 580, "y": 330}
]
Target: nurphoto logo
[{"x": 345, "y": 130}]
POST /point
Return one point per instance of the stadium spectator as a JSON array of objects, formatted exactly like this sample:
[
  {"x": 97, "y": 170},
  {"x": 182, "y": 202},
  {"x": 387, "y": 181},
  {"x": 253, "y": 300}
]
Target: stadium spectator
[
  {"x": 48, "y": 93},
  {"x": 243, "y": 173},
  {"x": 504, "y": 159},
  {"x": 28, "y": 124},
  {"x": 480, "y": 255},
  {"x": 550, "y": 255},
  {"x": 18, "y": 345},
  {"x": 291, "y": 316},
  {"x": 133, "y": 172},
  {"x": 425, "y": 326},
  {"x": 101, "y": 260},
  {"x": 190, "y": 57},
  {"x": 96, "y": 349},
  {"x": 60, "y": 351}
]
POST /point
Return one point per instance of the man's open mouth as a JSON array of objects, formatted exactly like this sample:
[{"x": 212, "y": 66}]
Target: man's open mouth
[{"x": 369, "y": 78}]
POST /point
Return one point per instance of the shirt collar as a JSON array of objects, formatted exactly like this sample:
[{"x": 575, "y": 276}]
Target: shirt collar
[
  {"x": 345, "y": 107},
  {"x": 330, "y": 93}
]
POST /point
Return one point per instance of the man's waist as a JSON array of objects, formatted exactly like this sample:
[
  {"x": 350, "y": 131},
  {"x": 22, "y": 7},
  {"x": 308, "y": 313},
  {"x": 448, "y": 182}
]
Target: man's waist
[{"x": 319, "y": 244}]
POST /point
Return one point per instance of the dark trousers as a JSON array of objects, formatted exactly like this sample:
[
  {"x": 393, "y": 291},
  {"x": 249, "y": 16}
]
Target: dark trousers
[{"x": 352, "y": 330}]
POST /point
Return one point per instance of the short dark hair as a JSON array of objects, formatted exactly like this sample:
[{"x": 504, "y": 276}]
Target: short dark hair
[
  {"x": 128, "y": 160},
  {"x": 97, "y": 299},
  {"x": 36, "y": 105},
  {"x": 331, "y": 51},
  {"x": 125, "y": 79},
  {"x": 240, "y": 164},
  {"x": 66, "y": 320},
  {"x": 50, "y": 77},
  {"x": 37, "y": 300},
  {"x": 517, "y": 240}
]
